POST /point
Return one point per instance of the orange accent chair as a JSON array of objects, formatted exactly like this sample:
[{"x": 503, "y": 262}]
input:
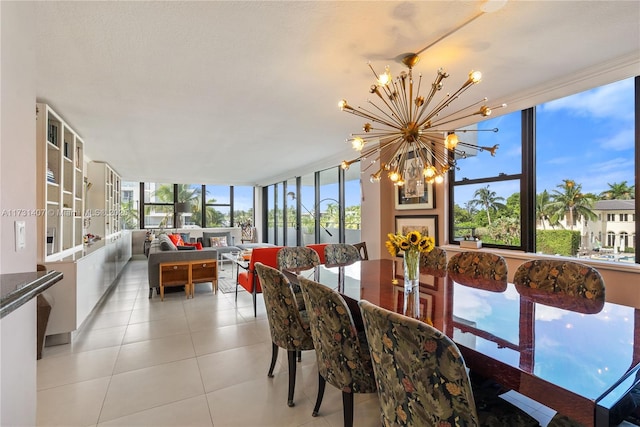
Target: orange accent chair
[
  {"x": 319, "y": 247},
  {"x": 249, "y": 280}
]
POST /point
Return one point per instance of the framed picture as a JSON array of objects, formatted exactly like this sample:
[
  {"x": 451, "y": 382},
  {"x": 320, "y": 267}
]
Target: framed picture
[
  {"x": 416, "y": 193},
  {"x": 427, "y": 225}
]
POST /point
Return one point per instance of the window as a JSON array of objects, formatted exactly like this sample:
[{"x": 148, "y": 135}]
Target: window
[
  {"x": 560, "y": 167},
  {"x": 129, "y": 199},
  {"x": 182, "y": 205},
  {"x": 352, "y": 198},
  {"x": 486, "y": 190}
]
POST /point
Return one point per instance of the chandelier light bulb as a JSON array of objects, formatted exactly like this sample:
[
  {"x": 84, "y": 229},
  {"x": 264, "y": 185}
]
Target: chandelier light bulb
[
  {"x": 475, "y": 76},
  {"x": 439, "y": 179},
  {"x": 357, "y": 143},
  {"x": 343, "y": 104},
  {"x": 452, "y": 141},
  {"x": 394, "y": 176},
  {"x": 429, "y": 171},
  {"x": 385, "y": 78}
]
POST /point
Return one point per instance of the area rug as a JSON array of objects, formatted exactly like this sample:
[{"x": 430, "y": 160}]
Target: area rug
[{"x": 227, "y": 285}]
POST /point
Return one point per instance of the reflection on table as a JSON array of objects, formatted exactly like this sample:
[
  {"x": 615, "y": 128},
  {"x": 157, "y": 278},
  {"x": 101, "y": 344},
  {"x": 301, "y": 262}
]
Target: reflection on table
[{"x": 577, "y": 363}]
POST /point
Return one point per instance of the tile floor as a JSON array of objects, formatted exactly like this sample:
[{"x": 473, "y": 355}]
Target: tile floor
[{"x": 197, "y": 362}]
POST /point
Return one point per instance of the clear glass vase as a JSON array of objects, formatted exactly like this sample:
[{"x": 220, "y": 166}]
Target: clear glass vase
[{"x": 412, "y": 283}]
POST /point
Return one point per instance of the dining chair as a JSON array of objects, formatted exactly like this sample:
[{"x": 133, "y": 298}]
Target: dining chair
[
  {"x": 362, "y": 249},
  {"x": 434, "y": 262},
  {"x": 564, "y": 284},
  {"x": 289, "y": 326},
  {"x": 249, "y": 280},
  {"x": 296, "y": 259},
  {"x": 340, "y": 253},
  {"x": 319, "y": 248},
  {"x": 422, "y": 378},
  {"x": 342, "y": 351},
  {"x": 482, "y": 270}
]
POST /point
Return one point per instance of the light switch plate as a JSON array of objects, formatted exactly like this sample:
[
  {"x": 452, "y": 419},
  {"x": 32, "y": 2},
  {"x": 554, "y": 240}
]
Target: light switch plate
[{"x": 21, "y": 235}]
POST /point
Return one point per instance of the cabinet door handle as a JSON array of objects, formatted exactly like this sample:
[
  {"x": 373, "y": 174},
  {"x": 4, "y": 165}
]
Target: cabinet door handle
[
  {"x": 175, "y": 267},
  {"x": 204, "y": 265}
]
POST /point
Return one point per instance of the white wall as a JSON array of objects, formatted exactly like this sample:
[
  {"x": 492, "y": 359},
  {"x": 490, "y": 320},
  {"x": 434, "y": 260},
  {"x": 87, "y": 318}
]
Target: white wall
[
  {"x": 17, "y": 133},
  {"x": 17, "y": 191}
]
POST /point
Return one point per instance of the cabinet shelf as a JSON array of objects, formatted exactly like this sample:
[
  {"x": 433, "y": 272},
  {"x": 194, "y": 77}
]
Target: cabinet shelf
[{"x": 59, "y": 185}]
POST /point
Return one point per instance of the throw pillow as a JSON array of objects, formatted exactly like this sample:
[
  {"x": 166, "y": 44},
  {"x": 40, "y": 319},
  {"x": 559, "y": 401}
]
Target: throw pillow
[
  {"x": 217, "y": 242},
  {"x": 176, "y": 239},
  {"x": 166, "y": 244},
  {"x": 186, "y": 237},
  {"x": 197, "y": 245},
  {"x": 186, "y": 248},
  {"x": 206, "y": 237}
]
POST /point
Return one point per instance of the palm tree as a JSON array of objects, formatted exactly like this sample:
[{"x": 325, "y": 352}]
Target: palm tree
[
  {"x": 570, "y": 203},
  {"x": 488, "y": 199},
  {"x": 185, "y": 194},
  {"x": 543, "y": 209},
  {"x": 618, "y": 191}
]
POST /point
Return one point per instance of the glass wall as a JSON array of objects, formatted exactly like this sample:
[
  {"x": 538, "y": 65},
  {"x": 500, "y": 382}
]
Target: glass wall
[
  {"x": 129, "y": 205},
  {"x": 314, "y": 212},
  {"x": 158, "y": 205}
]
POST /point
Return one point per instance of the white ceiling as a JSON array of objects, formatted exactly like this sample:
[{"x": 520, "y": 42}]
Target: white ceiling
[{"x": 246, "y": 93}]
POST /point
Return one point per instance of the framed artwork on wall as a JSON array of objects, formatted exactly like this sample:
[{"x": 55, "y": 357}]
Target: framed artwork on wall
[
  {"x": 427, "y": 225},
  {"x": 416, "y": 193}
]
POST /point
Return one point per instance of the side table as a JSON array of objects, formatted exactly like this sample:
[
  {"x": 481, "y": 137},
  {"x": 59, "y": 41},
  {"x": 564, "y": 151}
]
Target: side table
[{"x": 188, "y": 273}]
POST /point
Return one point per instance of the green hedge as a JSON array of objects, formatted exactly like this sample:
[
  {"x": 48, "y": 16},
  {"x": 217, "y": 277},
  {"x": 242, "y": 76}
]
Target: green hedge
[{"x": 561, "y": 242}]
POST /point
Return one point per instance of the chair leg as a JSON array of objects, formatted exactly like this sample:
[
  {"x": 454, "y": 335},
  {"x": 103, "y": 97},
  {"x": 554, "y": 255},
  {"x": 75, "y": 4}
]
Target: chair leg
[
  {"x": 299, "y": 355},
  {"x": 150, "y": 292},
  {"x": 292, "y": 376},
  {"x": 321, "y": 384},
  {"x": 255, "y": 308},
  {"x": 347, "y": 408},
  {"x": 274, "y": 358}
]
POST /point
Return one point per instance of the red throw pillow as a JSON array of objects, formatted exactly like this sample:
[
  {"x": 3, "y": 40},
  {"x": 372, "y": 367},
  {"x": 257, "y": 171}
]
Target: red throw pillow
[
  {"x": 176, "y": 239},
  {"x": 198, "y": 245}
]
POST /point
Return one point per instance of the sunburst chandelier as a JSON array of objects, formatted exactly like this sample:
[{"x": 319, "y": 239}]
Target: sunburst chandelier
[{"x": 413, "y": 132}]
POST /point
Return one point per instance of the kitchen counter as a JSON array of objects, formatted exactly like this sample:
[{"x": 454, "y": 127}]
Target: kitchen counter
[{"x": 16, "y": 289}]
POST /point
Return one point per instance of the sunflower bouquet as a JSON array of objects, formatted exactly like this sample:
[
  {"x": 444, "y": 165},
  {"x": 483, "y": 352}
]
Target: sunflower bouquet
[{"x": 412, "y": 244}]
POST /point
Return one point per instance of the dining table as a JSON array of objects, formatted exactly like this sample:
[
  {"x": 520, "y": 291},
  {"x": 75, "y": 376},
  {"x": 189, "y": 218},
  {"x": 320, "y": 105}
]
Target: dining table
[{"x": 582, "y": 364}]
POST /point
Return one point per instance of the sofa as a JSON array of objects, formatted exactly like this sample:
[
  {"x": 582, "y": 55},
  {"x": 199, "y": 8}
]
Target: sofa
[
  {"x": 163, "y": 250},
  {"x": 160, "y": 251}
]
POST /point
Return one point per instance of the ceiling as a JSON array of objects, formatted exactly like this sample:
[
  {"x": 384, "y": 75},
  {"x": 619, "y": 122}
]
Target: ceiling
[{"x": 244, "y": 93}]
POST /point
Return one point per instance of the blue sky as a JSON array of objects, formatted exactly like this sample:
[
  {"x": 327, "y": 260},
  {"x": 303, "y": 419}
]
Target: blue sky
[{"x": 587, "y": 137}]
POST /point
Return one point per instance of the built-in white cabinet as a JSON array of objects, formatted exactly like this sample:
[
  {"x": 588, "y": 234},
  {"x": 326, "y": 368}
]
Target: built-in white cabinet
[
  {"x": 103, "y": 200},
  {"x": 60, "y": 185}
]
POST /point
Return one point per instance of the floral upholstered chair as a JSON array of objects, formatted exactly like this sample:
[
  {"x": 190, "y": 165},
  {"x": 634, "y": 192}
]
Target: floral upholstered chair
[
  {"x": 422, "y": 379},
  {"x": 565, "y": 284},
  {"x": 483, "y": 270},
  {"x": 319, "y": 248},
  {"x": 551, "y": 282},
  {"x": 434, "y": 262},
  {"x": 342, "y": 351},
  {"x": 340, "y": 253},
  {"x": 362, "y": 249},
  {"x": 297, "y": 258},
  {"x": 289, "y": 327}
]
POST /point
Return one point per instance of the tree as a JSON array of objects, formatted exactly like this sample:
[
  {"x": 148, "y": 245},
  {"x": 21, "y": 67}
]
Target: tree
[
  {"x": 571, "y": 203},
  {"x": 618, "y": 191},
  {"x": 489, "y": 200},
  {"x": 543, "y": 209}
]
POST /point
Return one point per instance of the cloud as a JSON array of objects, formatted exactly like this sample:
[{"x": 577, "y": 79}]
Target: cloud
[
  {"x": 620, "y": 141},
  {"x": 609, "y": 102}
]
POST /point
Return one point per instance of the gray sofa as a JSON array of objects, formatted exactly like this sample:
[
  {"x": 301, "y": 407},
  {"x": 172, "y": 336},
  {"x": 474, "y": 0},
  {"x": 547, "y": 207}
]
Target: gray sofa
[
  {"x": 163, "y": 250},
  {"x": 159, "y": 252}
]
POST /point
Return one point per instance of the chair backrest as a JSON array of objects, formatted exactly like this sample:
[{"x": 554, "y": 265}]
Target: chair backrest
[
  {"x": 288, "y": 330},
  {"x": 434, "y": 262},
  {"x": 362, "y": 249},
  {"x": 561, "y": 283},
  {"x": 420, "y": 372},
  {"x": 319, "y": 248},
  {"x": 483, "y": 270},
  {"x": 340, "y": 253},
  {"x": 267, "y": 256},
  {"x": 343, "y": 353},
  {"x": 297, "y": 258}
]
